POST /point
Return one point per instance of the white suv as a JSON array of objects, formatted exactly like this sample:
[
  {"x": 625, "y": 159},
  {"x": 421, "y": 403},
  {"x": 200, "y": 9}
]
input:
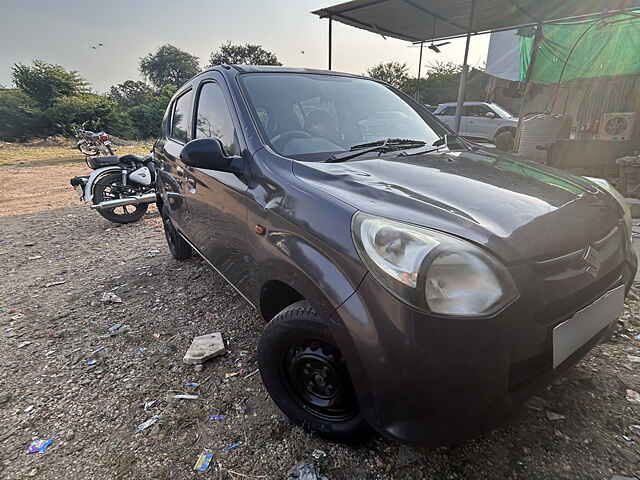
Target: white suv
[{"x": 479, "y": 119}]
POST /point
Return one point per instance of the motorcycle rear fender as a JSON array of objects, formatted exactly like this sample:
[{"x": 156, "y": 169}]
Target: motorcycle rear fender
[{"x": 88, "y": 189}]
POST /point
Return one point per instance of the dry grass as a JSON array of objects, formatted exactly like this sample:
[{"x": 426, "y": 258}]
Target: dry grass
[{"x": 21, "y": 154}]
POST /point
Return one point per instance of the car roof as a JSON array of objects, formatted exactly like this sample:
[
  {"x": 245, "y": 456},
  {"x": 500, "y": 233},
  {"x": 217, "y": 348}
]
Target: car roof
[
  {"x": 277, "y": 69},
  {"x": 453, "y": 104}
]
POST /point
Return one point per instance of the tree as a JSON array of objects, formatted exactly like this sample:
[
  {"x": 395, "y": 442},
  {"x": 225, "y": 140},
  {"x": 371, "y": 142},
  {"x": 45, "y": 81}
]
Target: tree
[
  {"x": 45, "y": 82},
  {"x": 169, "y": 66},
  {"x": 247, "y": 54},
  {"x": 393, "y": 73},
  {"x": 130, "y": 93},
  {"x": 147, "y": 116}
]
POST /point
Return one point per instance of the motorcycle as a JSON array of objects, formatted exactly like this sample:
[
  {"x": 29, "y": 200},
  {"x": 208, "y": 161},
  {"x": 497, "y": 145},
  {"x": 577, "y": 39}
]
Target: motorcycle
[
  {"x": 91, "y": 143},
  {"x": 119, "y": 188}
]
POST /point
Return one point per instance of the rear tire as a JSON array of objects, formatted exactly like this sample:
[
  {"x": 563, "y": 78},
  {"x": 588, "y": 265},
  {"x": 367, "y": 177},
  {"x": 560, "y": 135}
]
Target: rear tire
[
  {"x": 179, "y": 248},
  {"x": 105, "y": 190},
  {"x": 505, "y": 141},
  {"x": 306, "y": 376}
]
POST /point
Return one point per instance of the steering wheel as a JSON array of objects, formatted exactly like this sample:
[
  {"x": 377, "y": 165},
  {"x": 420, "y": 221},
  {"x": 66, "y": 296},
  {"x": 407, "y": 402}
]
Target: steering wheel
[{"x": 279, "y": 141}]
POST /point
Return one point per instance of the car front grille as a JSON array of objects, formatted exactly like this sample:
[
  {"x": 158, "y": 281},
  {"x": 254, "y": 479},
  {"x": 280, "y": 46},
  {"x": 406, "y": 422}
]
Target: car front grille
[{"x": 570, "y": 281}]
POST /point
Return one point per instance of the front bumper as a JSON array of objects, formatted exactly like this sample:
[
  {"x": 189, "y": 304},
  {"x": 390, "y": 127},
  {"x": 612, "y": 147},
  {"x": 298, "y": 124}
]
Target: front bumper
[{"x": 434, "y": 381}]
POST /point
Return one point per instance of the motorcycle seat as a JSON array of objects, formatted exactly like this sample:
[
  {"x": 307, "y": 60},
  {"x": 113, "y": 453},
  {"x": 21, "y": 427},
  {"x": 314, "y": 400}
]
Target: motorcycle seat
[
  {"x": 99, "y": 162},
  {"x": 136, "y": 158}
]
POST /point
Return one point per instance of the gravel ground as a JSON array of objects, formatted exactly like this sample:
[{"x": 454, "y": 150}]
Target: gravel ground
[{"x": 64, "y": 377}]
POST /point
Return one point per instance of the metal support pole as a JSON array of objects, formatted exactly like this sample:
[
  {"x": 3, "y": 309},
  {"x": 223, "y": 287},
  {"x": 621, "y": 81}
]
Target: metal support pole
[
  {"x": 330, "y": 34},
  {"x": 419, "y": 73},
  {"x": 462, "y": 87}
]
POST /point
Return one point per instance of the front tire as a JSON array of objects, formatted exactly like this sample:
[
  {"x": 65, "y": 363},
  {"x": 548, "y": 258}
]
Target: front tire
[
  {"x": 88, "y": 150},
  {"x": 306, "y": 376},
  {"x": 179, "y": 248},
  {"x": 106, "y": 188}
]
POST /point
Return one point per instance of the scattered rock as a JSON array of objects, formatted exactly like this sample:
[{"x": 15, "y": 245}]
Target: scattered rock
[
  {"x": 633, "y": 396},
  {"x": 553, "y": 416},
  {"x": 537, "y": 404},
  {"x": 110, "y": 297},
  {"x": 304, "y": 471},
  {"x": 204, "y": 347},
  {"x": 24, "y": 344},
  {"x": 53, "y": 284}
]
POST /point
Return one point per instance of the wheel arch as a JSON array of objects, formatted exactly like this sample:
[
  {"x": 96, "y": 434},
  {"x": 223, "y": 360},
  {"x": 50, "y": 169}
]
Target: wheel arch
[{"x": 94, "y": 177}]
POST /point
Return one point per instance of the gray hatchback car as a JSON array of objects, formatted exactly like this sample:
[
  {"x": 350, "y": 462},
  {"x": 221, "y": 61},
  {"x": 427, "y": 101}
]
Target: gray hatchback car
[{"x": 410, "y": 282}]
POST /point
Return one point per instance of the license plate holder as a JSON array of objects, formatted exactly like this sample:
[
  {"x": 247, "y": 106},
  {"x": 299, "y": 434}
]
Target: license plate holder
[{"x": 573, "y": 333}]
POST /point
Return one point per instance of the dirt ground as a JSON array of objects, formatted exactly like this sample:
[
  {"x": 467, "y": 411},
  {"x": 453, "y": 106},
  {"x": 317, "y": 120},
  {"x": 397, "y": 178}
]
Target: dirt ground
[{"x": 64, "y": 377}]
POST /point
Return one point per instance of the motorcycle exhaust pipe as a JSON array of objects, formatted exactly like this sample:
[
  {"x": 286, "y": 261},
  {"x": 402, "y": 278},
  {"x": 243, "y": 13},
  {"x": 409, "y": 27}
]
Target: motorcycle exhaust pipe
[{"x": 146, "y": 198}]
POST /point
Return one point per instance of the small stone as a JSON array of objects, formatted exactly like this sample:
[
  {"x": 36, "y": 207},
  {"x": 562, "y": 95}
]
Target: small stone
[
  {"x": 553, "y": 416},
  {"x": 536, "y": 403},
  {"x": 633, "y": 396},
  {"x": 110, "y": 297},
  {"x": 199, "y": 367},
  {"x": 70, "y": 435},
  {"x": 204, "y": 347},
  {"x": 24, "y": 344},
  {"x": 633, "y": 359}
]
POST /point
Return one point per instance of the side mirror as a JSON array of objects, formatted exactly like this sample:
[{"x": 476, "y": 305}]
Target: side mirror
[
  {"x": 206, "y": 153},
  {"x": 490, "y": 115}
]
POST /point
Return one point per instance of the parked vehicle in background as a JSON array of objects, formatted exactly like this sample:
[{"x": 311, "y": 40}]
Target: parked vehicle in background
[
  {"x": 91, "y": 143},
  {"x": 480, "y": 120},
  {"x": 119, "y": 188},
  {"x": 411, "y": 282}
]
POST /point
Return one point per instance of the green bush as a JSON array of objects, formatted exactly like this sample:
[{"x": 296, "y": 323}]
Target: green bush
[
  {"x": 19, "y": 116},
  {"x": 100, "y": 112}
]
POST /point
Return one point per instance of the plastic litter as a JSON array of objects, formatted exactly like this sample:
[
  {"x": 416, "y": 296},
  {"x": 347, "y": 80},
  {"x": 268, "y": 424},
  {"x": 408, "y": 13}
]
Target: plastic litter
[
  {"x": 633, "y": 396},
  {"x": 117, "y": 329},
  {"x": 213, "y": 418},
  {"x": 304, "y": 471},
  {"x": 147, "y": 424},
  {"x": 202, "y": 464},
  {"x": 192, "y": 384},
  {"x": 148, "y": 405},
  {"x": 91, "y": 363},
  {"x": 40, "y": 446},
  {"x": 318, "y": 454},
  {"x": 232, "y": 446},
  {"x": 186, "y": 397},
  {"x": 637, "y": 337}
]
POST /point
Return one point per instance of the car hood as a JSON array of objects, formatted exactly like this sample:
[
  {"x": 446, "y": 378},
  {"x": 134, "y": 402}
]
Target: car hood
[{"x": 520, "y": 210}]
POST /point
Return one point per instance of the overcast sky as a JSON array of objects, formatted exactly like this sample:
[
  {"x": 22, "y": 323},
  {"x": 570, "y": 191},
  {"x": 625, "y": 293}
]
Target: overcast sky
[{"x": 63, "y": 32}]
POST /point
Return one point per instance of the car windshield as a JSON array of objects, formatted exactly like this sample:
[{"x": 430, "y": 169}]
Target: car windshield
[
  {"x": 311, "y": 116},
  {"x": 503, "y": 112}
]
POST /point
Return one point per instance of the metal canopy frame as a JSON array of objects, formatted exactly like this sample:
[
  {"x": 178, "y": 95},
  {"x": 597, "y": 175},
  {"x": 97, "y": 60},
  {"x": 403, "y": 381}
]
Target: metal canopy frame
[{"x": 386, "y": 17}]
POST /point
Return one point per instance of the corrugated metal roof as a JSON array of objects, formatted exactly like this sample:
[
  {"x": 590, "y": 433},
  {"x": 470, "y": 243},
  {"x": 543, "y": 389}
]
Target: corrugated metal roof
[{"x": 425, "y": 20}]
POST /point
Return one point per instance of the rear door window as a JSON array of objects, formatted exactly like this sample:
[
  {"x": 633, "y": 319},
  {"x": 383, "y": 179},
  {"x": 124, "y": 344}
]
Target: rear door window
[{"x": 180, "y": 118}]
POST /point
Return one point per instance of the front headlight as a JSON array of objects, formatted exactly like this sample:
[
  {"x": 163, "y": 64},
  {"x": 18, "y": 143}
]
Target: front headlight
[
  {"x": 431, "y": 270},
  {"x": 605, "y": 185}
]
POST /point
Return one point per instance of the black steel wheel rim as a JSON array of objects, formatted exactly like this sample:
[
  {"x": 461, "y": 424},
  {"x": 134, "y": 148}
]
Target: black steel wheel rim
[{"x": 317, "y": 377}]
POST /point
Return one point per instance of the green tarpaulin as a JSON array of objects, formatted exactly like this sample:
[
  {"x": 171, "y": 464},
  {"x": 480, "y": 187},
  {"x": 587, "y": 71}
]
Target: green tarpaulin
[{"x": 603, "y": 47}]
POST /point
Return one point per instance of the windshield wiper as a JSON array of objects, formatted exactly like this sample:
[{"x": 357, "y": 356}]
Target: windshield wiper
[{"x": 388, "y": 145}]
